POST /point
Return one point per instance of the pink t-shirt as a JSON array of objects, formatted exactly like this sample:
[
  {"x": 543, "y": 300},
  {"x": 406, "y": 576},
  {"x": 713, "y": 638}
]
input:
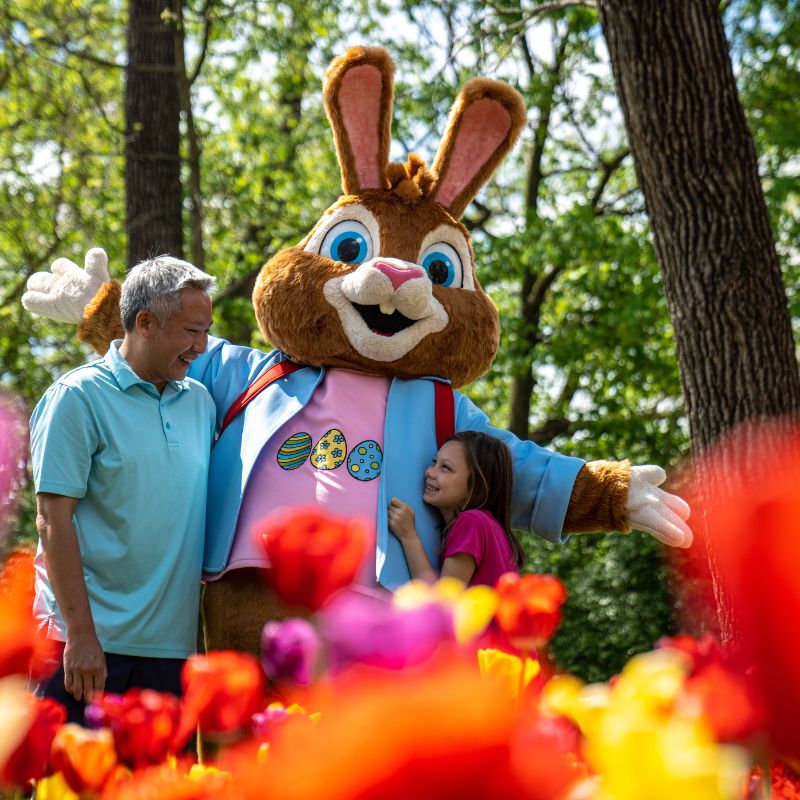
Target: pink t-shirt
[
  {"x": 479, "y": 534},
  {"x": 329, "y": 455}
]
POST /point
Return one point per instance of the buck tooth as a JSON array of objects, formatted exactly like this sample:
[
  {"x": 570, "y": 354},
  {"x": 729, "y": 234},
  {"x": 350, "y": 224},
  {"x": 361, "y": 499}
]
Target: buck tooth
[{"x": 386, "y": 308}]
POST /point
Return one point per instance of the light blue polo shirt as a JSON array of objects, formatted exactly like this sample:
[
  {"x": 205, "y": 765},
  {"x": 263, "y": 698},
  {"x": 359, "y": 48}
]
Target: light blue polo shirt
[{"x": 138, "y": 461}]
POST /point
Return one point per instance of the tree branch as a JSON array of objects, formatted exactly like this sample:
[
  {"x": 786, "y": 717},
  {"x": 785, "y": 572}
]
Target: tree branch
[{"x": 609, "y": 168}]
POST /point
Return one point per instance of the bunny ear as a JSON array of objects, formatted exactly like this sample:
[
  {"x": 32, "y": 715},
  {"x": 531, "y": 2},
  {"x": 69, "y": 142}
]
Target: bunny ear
[
  {"x": 358, "y": 99},
  {"x": 484, "y": 124}
]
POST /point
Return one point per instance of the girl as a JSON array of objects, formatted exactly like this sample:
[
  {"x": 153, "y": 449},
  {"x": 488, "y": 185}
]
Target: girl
[{"x": 470, "y": 483}]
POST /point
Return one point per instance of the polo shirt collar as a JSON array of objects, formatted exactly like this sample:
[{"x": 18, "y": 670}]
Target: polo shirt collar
[{"x": 126, "y": 377}]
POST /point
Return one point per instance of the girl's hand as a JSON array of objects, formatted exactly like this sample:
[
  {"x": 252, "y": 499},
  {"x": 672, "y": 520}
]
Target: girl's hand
[{"x": 402, "y": 522}]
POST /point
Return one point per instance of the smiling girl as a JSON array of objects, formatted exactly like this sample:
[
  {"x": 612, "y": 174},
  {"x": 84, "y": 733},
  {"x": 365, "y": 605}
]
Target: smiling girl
[{"x": 469, "y": 483}]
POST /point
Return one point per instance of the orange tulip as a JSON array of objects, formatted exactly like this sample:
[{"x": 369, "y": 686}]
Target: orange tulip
[
  {"x": 143, "y": 723},
  {"x": 24, "y": 648},
  {"x": 312, "y": 555},
  {"x": 31, "y": 760},
  {"x": 222, "y": 691},
  {"x": 85, "y": 758},
  {"x": 168, "y": 782},
  {"x": 529, "y": 608},
  {"x": 433, "y": 732}
]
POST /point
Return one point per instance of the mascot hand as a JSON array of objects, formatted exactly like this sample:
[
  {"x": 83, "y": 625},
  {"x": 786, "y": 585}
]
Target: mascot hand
[
  {"x": 655, "y": 511},
  {"x": 66, "y": 290}
]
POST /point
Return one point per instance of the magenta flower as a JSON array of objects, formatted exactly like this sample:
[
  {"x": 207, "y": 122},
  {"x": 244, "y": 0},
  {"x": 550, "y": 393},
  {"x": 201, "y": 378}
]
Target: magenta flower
[
  {"x": 289, "y": 651},
  {"x": 361, "y": 629}
]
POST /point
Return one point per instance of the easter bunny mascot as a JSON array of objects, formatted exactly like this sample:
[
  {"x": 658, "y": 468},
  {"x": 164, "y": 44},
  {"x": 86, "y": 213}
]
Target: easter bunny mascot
[{"x": 377, "y": 307}]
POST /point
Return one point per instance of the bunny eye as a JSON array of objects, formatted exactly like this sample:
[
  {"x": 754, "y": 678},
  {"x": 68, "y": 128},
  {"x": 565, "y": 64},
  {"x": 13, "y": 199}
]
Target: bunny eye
[
  {"x": 349, "y": 242},
  {"x": 443, "y": 265}
]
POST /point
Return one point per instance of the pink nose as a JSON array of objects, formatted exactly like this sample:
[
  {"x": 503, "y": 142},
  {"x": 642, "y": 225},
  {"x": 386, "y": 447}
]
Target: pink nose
[{"x": 397, "y": 275}]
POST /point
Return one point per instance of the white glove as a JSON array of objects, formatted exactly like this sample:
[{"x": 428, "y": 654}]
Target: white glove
[
  {"x": 655, "y": 511},
  {"x": 66, "y": 290}
]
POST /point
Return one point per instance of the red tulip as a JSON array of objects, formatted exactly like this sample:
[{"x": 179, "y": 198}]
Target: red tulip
[
  {"x": 312, "y": 554},
  {"x": 24, "y": 648},
  {"x": 222, "y": 691},
  {"x": 31, "y": 760},
  {"x": 143, "y": 723},
  {"x": 752, "y": 505},
  {"x": 529, "y": 608}
]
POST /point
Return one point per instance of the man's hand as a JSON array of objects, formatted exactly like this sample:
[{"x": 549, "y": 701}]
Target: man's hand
[
  {"x": 655, "y": 511},
  {"x": 66, "y": 290},
  {"x": 84, "y": 666},
  {"x": 402, "y": 521}
]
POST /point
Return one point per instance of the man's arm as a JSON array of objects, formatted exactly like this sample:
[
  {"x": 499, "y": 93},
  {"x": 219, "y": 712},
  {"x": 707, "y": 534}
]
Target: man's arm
[{"x": 84, "y": 662}]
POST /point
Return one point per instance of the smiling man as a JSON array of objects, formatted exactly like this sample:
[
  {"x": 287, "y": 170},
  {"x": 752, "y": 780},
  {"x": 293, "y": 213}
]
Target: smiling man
[{"x": 120, "y": 452}]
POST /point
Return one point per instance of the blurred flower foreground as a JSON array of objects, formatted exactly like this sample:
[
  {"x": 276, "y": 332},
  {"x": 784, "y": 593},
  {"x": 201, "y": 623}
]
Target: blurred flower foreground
[{"x": 440, "y": 691}]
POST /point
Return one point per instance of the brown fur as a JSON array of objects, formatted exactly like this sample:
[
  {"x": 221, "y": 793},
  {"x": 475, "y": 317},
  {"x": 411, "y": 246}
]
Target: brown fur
[
  {"x": 101, "y": 323},
  {"x": 598, "y": 498},
  {"x": 311, "y": 333},
  {"x": 235, "y": 608},
  {"x": 355, "y": 57}
]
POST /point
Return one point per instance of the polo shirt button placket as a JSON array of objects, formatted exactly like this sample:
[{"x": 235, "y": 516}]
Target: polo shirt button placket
[{"x": 172, "y": 441}]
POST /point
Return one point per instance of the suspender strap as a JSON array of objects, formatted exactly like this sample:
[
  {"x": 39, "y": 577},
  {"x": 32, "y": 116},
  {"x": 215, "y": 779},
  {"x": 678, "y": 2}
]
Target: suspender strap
[
  {"x": 445, "y": 411},
  {"x": 274, "y": 373}
]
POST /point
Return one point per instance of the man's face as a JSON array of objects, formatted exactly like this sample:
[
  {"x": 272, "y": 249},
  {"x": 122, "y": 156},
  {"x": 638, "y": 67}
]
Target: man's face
[{"x": 171, "y": 349}]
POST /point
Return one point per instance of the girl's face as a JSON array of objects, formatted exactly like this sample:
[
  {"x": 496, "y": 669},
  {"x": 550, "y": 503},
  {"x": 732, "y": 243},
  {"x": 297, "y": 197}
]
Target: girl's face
[{"x": 447, "y": 479}]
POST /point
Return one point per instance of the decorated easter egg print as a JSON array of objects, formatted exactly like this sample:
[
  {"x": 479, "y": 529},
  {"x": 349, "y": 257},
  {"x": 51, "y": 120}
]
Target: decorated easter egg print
[
  {"x": 329, "y": 452},
  {"x": 294, "y": 451},
  {"x": 365, "y": 461}
]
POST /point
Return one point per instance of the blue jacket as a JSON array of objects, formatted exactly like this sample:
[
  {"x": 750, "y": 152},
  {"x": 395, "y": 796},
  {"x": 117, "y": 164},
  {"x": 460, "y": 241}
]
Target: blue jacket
[{"x": 543, "y": 480}]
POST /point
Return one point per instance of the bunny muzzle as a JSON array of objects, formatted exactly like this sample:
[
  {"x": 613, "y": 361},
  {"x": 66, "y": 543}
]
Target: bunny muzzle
[{"x": 386, "y": 307}]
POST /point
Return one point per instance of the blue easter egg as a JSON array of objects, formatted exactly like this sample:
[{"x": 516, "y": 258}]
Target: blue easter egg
[{"x": 365, "y": 461}]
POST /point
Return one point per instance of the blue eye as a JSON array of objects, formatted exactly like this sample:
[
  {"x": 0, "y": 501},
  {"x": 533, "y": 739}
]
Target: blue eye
[
  {"x": 443, "y": 265},
  {"x": 349, "y": 242}
]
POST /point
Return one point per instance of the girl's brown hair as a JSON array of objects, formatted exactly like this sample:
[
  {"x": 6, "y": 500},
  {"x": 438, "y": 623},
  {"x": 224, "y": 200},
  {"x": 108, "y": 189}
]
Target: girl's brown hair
[{"x": 491, "y": 478}]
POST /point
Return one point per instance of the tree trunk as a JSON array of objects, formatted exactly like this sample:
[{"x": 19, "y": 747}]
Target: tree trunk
[
  {"x": 152, "y": 143},
  {"x": 697, "y": 167}
]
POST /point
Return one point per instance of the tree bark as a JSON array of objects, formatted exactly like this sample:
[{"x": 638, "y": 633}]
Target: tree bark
[
  {"x": 696, "y": 164},
  {"x": 697, "y": 167},
  {"x": 152, "y": 142}
]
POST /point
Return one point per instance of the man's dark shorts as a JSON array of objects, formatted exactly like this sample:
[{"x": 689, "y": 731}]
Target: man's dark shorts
[{"x": 124, "y": 672}]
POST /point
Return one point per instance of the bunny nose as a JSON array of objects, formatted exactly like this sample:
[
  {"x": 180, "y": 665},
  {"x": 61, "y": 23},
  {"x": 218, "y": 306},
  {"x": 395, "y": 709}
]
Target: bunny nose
[{"x": 398, "y": 275}]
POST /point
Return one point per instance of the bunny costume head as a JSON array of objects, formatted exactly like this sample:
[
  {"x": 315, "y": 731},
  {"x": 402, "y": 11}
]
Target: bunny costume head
[{"x": 385, "y": 282}]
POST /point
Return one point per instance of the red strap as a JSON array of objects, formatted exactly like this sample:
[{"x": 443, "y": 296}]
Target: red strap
[
  {"x": 445, "y": 412},
  {"x": 444, "y": 401},
  {"x": 274, "y": 373}
]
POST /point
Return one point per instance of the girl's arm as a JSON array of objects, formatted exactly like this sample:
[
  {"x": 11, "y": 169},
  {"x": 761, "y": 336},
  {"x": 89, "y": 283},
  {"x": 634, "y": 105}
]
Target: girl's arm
[
  {"x": 459, "y": 565},
  {"x": 403, "y": 525}
]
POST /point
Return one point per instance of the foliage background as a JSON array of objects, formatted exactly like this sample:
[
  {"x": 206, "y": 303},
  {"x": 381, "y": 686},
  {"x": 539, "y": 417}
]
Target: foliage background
[{"x": 563, "y": 214}]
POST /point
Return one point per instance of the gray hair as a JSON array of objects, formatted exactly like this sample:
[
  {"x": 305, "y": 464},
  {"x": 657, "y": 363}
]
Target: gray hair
[{"x": 154, "y": 286}]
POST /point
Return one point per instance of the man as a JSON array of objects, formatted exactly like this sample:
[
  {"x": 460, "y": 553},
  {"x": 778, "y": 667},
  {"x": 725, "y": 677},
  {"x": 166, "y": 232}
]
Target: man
[{"x": 120, "y": 453}]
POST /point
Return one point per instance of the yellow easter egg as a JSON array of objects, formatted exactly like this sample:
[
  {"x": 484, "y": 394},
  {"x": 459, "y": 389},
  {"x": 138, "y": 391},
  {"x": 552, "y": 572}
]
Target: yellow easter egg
[{"x": 330, "y": 451}]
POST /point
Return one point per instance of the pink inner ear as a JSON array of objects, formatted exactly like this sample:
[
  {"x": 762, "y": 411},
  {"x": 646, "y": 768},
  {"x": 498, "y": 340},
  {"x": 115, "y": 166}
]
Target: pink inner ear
[
  {"x": 484, "y": 125},
  {"x": 360, "y": 104}
]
